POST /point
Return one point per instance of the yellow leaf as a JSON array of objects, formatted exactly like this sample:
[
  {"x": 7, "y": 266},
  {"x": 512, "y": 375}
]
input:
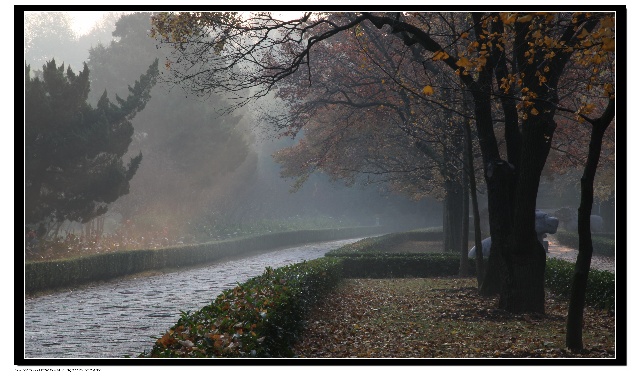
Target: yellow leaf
[
  {"x": 588, "y": 108},
  {"x": 608, "y": 89},
  {"x": 440, "y": 55},
  {"x": 464, "y": 35},
  {"x": 507, "y": 18},
  {"x": 583, "y": 34},
  {"x": 534, "y": 111},
  {"x": 427, "y": 90},
  {"x": 608, "y": 22},
  {"x": 526, "y": 18},
  {"x": 608, "y": 44},
  {"x": 463, "y": 62}
]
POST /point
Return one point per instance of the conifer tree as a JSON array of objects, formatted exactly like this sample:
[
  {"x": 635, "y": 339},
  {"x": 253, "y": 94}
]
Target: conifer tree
[{"x": 73, "y": 151}]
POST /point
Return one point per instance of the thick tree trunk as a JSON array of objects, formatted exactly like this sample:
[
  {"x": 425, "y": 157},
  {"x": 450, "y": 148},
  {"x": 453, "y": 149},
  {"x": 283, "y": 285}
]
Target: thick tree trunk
[
  {"x": 499, "y": 176},
  {"x": 575, "y": 316},
  {"x": 522, "y": 287}
]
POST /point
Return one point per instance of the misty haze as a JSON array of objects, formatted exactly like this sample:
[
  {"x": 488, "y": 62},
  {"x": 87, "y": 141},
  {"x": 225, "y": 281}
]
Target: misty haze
[{"x": 205, "y": 185}]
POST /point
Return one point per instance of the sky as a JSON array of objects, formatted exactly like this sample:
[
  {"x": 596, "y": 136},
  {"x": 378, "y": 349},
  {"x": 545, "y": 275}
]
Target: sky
[{"x": 82, "y": 22}]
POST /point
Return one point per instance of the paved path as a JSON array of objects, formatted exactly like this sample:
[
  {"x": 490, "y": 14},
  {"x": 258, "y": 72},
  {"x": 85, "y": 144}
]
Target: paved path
[
  {"x": 123, "y": 317},
  {"x": 557, "y": 250}
]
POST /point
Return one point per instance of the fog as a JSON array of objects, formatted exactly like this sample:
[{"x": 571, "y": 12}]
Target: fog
[{"x": 203, "y": 175}]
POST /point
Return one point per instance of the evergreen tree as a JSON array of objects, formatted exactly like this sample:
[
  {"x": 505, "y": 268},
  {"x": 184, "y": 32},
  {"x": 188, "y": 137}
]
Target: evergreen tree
[{"x": 73, "y": 151}]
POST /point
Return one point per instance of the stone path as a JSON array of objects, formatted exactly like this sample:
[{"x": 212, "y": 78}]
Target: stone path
[
  {"x": 123, "y": 317},
  {"x": 598, "y": 262}
]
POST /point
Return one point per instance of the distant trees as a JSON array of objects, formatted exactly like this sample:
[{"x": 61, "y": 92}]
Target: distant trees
[
  {"x": 73, "y": 151},
  {"x": 49, "y": 35},
  {"x": 189, "y": 148},
  {"x": 361, "y": 116},
  {"x": 46, "y": 35}
]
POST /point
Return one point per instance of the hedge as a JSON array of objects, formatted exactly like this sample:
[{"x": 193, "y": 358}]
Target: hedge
[
  {"x": 262, "y": 317},
  {"x": 601, "y": 286},
  {"x": 42, "y": 275},
  {"x": 367, "y": 259},
  {"x": 399, "y": 265},
  {"x": 381, "y": 243}
]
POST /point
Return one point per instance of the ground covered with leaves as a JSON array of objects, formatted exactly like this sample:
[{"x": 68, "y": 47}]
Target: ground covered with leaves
[{"x": 441, "y": 318}]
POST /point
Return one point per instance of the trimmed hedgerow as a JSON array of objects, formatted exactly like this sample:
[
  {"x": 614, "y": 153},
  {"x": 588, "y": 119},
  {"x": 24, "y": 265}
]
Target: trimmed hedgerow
[
  {"x": 401, "y": 265},
  {"x": 603, "y": 244},
  {"x": 381, "y": 243},
  {"x": 601, "y": 286},
  {"x": 262, "y": 317},
  {"x": 42, "y": 275}
]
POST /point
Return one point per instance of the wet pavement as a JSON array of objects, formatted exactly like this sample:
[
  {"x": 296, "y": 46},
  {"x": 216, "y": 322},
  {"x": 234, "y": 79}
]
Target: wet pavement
[
  {"x": 124, "y": 317},
  {"x": 598, "y": 262}
]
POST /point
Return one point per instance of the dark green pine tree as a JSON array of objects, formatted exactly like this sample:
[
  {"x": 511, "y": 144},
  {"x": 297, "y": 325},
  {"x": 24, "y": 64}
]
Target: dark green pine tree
[{"x": 73, "y": 152}]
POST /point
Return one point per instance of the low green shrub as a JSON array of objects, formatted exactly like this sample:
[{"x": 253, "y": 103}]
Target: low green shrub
[
  {"x": 259, "y": 318},
  {"x": 603, "y": 244},
  {"x": 400, "y": 265},
  {"x": 600, "y": 284},
  {"x": 381, "y": 243}
]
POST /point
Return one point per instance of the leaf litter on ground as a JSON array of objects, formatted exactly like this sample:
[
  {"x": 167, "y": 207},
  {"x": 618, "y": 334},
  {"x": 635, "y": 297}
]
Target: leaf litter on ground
[{"x": 441, "y": 318}]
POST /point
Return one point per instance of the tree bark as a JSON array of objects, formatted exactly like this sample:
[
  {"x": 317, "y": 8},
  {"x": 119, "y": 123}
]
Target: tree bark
[
  {"x": 523, "y": 285},
  {"x": 464, "y": 258},
  {"x": 470, "y": 170},
  {"x": 499, "y": 174},
  {"x": 575, "y": 316},
  {"x": 446, "y": 236}
]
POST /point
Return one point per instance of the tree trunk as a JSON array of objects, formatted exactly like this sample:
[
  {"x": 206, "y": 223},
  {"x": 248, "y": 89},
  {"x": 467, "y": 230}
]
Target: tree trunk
[
  {"x": 99, "y": 227},
  {"x": 446, "y": 229},
  {"x": 464, "y": 244},
  {"x": 452, "y": 216},
  {"x": 499, "y": 176},
  {"x": 575, "y": 316},
  {"x": 522, "y": 287},
  {"x": 470, "y": 170}
]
